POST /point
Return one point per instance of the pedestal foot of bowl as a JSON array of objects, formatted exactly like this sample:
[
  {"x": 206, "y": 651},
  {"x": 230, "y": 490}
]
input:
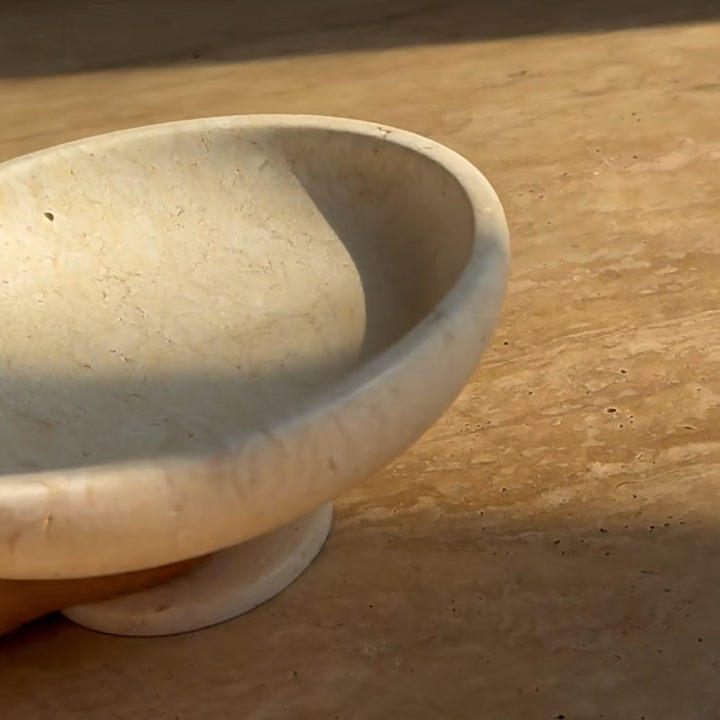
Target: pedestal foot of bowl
[{"x": 230, "y": 583}]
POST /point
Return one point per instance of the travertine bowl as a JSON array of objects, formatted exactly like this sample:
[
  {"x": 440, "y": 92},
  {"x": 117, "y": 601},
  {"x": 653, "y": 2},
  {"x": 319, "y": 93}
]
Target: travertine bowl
[{"x": 212, "y": 328}]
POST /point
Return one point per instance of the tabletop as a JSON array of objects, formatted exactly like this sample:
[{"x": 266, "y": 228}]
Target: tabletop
[{"x": 550, "y": 549}]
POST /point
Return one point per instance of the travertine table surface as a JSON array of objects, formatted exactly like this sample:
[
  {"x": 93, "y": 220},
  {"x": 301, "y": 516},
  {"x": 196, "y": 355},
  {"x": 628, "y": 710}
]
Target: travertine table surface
[{"x": 552, "y": 547}]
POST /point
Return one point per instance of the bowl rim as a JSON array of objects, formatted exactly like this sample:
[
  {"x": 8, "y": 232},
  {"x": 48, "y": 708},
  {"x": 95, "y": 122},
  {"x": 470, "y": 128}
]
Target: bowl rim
[{"x": 40, "y": 511}]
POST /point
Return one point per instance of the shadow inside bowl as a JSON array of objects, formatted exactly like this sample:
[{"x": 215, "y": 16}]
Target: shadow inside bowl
[{"x": 167, "y": 292}]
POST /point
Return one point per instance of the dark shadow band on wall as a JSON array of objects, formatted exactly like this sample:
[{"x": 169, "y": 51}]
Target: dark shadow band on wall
[{"x": 52, "y": 37}]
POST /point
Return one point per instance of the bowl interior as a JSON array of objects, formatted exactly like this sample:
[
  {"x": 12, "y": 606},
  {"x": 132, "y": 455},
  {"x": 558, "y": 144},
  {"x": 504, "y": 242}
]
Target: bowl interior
[{"x": 164, "y": 292}]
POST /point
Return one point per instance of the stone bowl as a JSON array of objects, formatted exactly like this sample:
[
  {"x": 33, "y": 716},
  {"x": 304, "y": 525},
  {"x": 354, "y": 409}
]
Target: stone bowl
[{"x": 210, "y": 329}]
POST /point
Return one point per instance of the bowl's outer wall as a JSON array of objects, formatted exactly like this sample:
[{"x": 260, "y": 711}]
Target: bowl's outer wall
[{"x": 396, "y": 267}]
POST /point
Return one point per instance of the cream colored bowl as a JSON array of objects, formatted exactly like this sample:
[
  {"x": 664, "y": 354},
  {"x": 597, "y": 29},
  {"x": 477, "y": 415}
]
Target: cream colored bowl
[{"x": 210, "y": 329}]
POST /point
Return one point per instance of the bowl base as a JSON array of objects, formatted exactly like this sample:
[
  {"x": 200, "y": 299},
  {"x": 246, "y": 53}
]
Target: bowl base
[{"x": 230, "y": 583}]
